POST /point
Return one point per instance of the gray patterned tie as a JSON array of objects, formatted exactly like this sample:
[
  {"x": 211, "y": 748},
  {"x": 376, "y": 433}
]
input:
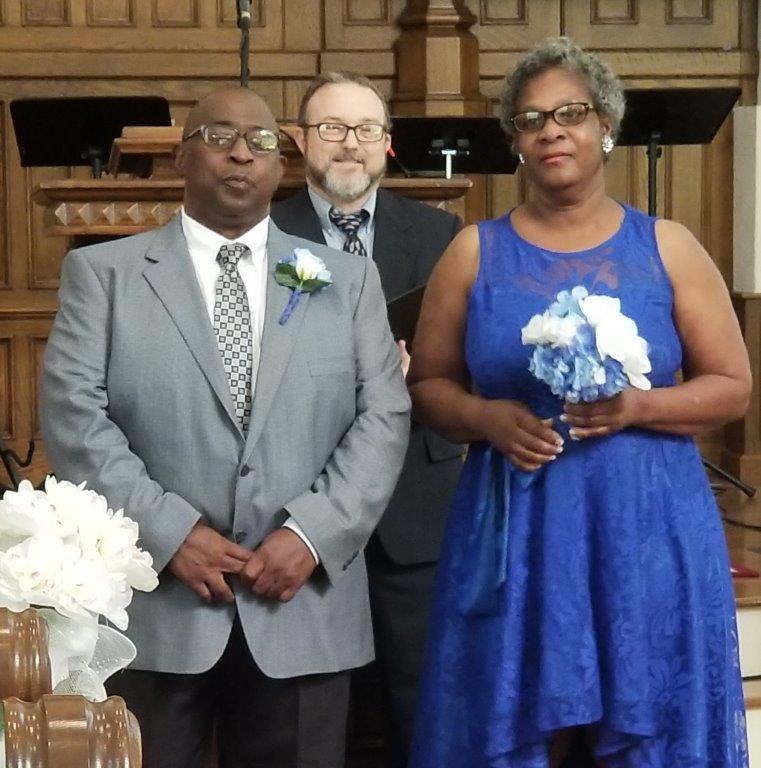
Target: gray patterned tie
[
  {"x": 232, "y": 323},
  {"x": 349, "y": 224}
]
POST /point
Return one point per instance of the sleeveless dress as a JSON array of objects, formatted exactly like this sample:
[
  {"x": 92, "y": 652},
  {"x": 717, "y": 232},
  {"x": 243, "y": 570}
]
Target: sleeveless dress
[{"x": 596, "y": 590}]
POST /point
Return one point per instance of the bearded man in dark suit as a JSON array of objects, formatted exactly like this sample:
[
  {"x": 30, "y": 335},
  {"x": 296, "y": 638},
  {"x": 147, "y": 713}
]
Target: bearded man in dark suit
[{"x": 344, "y": 137}]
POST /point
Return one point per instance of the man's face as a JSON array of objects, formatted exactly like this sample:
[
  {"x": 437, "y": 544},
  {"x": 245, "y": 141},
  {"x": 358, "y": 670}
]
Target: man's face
[
  {"x": 346, "y": 171},
  {"x": 229, "y": 190}
]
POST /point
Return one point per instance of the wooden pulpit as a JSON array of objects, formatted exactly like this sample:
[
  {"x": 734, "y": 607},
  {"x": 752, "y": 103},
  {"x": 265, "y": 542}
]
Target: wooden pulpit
[{"x": 143, "y": 191}]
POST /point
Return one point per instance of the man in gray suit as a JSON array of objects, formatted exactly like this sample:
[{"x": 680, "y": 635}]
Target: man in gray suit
[
  {"x": 257, "y": 453},
  {"x": 344, "y": 136}
]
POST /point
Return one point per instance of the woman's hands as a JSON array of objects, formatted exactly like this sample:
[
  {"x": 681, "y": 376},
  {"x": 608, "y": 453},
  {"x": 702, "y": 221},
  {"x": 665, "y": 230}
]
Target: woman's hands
[
  {"x": 605, "y": 416},
  {"x": 527, "y": 441}
]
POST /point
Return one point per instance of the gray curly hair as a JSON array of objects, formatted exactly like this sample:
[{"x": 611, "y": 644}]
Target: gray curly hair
[{"x": 603, "y": 85}]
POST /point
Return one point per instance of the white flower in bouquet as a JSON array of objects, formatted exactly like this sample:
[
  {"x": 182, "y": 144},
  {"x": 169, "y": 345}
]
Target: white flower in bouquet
[{"x": 616, "y": 336}]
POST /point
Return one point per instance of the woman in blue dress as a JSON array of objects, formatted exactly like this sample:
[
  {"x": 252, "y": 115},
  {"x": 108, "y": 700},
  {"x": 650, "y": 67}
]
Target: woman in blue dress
[{"x": 584, "y": 581}]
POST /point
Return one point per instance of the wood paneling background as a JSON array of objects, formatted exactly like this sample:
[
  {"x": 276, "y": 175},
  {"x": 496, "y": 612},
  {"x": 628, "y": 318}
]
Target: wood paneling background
[{"x": 181, "y": 49}]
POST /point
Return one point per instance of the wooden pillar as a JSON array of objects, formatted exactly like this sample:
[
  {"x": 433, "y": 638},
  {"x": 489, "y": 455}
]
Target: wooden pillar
[
  {"x": 437, "y": 61},
  {"x": 742, "y": 454},
  {"x": 438, "y": 74}
]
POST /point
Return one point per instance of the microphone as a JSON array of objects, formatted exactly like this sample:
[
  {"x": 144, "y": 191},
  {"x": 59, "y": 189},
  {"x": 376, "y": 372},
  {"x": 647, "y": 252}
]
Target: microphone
[
  {"x": 390, "y": 151},
  {"x": 244, "y": 14}
]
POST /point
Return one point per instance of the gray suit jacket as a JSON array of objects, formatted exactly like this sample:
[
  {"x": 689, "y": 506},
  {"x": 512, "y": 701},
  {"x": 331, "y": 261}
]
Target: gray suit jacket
[
  {"x": 136, "y": 402},
  {"x": 409, "y": 239}
]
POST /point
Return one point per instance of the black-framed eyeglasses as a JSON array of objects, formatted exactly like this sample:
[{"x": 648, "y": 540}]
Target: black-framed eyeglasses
[
  {"x": 260, "y": 141},
  {"x": 567, "y": 114},
  {"x": 365, "y": 132}
]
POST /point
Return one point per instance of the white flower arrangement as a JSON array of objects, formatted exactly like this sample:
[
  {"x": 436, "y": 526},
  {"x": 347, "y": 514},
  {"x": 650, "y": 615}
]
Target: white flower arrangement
[
  {"x": 585, "y": 348},
  {"x": 64, "y": 549}
]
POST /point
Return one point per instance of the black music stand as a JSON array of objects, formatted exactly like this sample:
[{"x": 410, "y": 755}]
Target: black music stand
[
  {"x": 79, "y": 130},
  {"x": 439, "y": 146},
  {"x": 658, "y": 116}
]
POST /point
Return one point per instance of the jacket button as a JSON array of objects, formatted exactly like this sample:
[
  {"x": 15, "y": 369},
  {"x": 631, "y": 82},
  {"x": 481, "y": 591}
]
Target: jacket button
[{"x": 245, "y": 469}]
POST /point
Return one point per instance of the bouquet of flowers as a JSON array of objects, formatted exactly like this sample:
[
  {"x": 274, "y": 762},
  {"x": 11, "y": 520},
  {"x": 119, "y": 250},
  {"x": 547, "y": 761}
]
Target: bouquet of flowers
[
  {"x": 585, "y": 348},
  {"x": 64, "y": 549}
]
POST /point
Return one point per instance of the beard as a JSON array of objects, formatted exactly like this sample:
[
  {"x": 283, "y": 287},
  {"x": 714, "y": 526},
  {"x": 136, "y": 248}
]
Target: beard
[{"x": 339, "y": 188}]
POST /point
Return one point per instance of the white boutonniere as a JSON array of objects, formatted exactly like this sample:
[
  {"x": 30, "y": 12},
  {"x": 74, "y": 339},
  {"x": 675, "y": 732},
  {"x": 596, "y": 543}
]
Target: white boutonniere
[{"x": 302, "y": 272}]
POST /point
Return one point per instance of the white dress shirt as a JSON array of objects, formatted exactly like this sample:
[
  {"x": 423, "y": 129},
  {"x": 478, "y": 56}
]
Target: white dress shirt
[{"x": 203, "y": 246}]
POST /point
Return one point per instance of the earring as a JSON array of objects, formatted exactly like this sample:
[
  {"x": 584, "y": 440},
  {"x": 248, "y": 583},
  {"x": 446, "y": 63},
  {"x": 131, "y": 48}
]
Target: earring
[
  {"x": 521, "y": 159},
  {"x": 607, "y": 144}
]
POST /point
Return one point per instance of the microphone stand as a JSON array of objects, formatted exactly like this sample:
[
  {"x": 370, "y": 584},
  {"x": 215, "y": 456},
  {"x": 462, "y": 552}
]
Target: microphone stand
[
  {"x": 244, "y": 25},
  {"x": 748, "y": 490},
  {"x": 8, "y": 457}
]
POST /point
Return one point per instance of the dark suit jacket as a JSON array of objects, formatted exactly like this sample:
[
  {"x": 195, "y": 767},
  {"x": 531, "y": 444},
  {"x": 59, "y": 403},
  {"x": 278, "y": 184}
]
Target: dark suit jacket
[{"x": 409, "y": 238}]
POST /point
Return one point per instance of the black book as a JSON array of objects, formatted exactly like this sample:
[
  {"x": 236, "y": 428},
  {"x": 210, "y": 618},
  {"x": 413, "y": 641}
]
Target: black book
[{"x": 403, "y": 312}]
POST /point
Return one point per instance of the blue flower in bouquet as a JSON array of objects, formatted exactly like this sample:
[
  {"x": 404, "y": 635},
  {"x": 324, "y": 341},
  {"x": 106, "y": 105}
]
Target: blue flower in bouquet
[{"x": 585, "y": 348}]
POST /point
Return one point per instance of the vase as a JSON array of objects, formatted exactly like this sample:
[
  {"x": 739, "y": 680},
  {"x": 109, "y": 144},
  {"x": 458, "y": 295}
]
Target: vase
[
  {"x": 62, "y": 731},
  {"x": 24, "y": 655}
]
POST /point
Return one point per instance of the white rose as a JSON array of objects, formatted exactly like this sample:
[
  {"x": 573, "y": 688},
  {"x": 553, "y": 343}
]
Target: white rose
[
  {"x": 28, "y": 512},
  {"x": 600, "y": 310},
  {"x": 31, "y": 571},
  {"x": 118, "y": 547},
  {"x": 617, "y": 336},
  {"x": 87, "y": 585},
  {"x": 307, "y": 265},
  {"x": 549, "y": 329}
]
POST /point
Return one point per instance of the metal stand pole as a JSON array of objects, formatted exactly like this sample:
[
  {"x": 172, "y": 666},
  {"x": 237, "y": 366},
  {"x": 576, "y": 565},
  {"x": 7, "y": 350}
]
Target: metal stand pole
[
  {"x": 653, "y": 153},
  {"x": 244, "y": 51},
  {"x": 9, "y": 457},
  {"x": 748, "y": 490}
]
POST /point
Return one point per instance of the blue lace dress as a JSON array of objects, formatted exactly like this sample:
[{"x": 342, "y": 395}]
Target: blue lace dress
[{"x": 596, "y": 590}]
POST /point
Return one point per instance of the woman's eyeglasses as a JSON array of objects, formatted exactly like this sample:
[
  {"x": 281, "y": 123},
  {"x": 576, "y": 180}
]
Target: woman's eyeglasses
[
  {"x": 258, "y": 140},
  {"x": 567, "y": 114}
]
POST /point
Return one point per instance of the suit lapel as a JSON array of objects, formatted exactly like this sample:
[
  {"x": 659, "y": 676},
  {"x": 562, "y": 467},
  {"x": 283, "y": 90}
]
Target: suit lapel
[
  {"x": 169, "y": 271},
  {"x": 391, "y": 246},
  {"x": 277, "y": 340},
  {"x": 298, "y": 217}
]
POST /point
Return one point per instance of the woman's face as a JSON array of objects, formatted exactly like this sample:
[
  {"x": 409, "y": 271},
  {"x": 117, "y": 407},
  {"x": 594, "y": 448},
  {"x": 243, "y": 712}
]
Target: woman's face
[{"x": 556, "y": 156}]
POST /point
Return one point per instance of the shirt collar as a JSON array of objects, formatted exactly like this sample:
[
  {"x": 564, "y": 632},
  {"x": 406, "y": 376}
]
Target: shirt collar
[
  {"x": 322, "y": 207},
  {"x": 200, "y": 238}
]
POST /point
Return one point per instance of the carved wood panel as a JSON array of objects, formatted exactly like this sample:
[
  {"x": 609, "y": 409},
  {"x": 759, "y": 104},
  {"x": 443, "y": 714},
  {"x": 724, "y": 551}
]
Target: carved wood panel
[
  {"x": 110, "y": 13},
  {"x": 37, "y": 343},
  {"x": 689, "y": 11},
  {"x": 5, "y": 250},
  {"x": 6, "y": 392},
  {"x": 361, "y": 24},
  {"x": 615, "y": 12},
  {"x": 653, "y": 24},
  {"x": 175, "y": 13},
  {"x": 46, "y": 12},
  {"x": 514, "y": 24}
]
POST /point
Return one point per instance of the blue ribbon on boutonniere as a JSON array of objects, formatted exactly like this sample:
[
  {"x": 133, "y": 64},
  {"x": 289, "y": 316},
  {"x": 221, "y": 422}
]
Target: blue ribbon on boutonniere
[{"x": 302, "y": 272}]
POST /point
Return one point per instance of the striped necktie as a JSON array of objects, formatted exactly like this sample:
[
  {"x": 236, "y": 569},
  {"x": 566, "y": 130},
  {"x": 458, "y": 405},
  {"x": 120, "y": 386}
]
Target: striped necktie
[{"x": 349, "y": 224}]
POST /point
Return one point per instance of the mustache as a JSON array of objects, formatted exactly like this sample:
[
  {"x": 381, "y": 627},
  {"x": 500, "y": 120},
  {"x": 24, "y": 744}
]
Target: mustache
[{"x": 349, "y": 155}]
